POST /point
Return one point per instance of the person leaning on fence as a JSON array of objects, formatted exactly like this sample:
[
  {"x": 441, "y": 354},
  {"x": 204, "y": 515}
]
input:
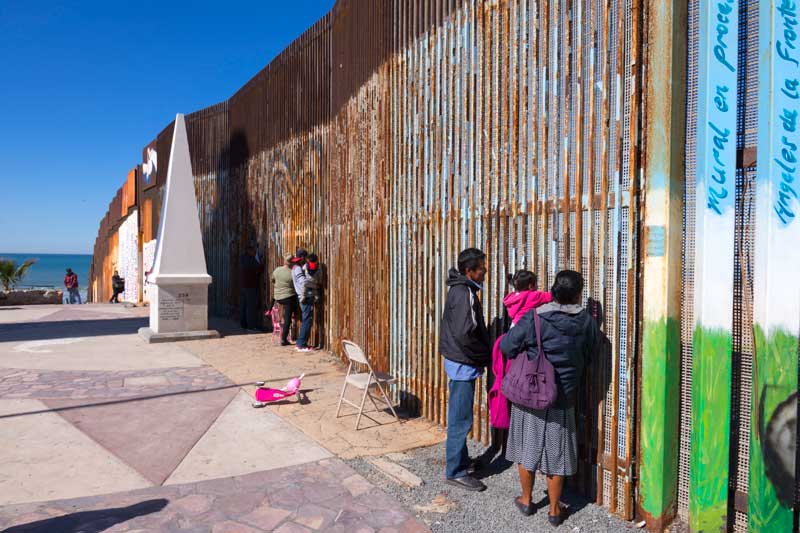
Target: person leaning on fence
[
  {"x": 546, "y": 439},
  {"x": 284, "y": 293},
  {"x": 300, "y": 279},
  {"x": 315, "y": 284},
  {"x": 117, "y": 287},
  {"x": 464, "y": 344},
  {"x": 523, "y": 297}
]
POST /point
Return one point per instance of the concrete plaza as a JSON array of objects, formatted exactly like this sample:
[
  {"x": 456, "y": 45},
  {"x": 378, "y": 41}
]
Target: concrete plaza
[{"x": 103, "y": 432}]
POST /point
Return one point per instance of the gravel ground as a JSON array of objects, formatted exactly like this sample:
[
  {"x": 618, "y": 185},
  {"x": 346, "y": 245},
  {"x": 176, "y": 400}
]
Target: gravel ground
[{"x": 448, "y": 509}]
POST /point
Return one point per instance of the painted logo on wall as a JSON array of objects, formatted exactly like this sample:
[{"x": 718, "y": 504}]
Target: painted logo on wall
[{"x": 150, "y": 167}]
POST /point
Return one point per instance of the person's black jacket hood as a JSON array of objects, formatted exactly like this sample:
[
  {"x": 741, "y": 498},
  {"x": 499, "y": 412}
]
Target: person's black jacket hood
[
  {"x": 463, "y": 338},
  {"x": 569, "y": 337}
]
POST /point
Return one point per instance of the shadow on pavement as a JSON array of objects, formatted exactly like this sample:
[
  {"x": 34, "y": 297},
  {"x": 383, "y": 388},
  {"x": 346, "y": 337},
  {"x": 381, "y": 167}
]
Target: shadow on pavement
[
  {"x": 65, "y": 329},
  {"x": 36, "y": 331},
  {"x": 151, "y": 397},
  {"x": 494, "y": 463},
  {"x": 91, "y": 521}
]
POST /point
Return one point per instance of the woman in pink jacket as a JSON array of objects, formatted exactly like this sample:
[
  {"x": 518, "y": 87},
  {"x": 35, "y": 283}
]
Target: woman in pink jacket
[{"x": 522, "y": 299}]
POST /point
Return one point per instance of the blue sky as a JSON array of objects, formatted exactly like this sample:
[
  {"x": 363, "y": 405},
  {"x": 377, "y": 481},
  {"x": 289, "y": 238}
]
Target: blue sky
[{"x": 85, "y": 85}]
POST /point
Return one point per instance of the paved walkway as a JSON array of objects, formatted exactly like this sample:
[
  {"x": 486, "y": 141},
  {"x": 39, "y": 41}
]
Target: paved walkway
[
  {"x": 249, "y": 358},
  {"x": 102, "y": 432}
]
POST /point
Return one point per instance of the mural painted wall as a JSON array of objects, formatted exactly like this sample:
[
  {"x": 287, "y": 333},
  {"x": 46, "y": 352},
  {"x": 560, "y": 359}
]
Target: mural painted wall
[
  {"x": 714, "y": 244},
  {"x": 777, "y": 286},
  {"x": 128, "y": 257}
]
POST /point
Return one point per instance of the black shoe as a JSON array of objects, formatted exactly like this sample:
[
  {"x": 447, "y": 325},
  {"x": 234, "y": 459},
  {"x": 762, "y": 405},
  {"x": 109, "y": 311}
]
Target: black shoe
[
  {"x": 286, "y": 343},
  {"x": 527, "y": 510},
  {"x": 466, "y": 483},
  {"x": 556, "y": 521},
  {"x": 474, "y": 465}
]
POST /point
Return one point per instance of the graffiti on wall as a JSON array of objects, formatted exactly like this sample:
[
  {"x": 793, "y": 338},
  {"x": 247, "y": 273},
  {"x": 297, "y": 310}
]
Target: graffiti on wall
[
  {"x": 150, "y": 166},
  {"x": 148, "y": 257}
]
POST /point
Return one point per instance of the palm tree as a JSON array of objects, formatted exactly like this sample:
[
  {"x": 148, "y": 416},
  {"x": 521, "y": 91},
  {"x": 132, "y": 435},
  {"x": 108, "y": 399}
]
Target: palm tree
[{"x": 11, "y": 273}]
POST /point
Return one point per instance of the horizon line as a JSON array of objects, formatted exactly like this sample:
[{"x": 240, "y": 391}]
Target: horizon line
[{"x": 44, "y": 253}]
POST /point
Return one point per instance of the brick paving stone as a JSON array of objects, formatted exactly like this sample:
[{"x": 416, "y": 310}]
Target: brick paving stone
[
  {"x": 364, "y": 529},
  {"x": 356, "y": 485},
  {"x": 266, "y": 517},
  {"x": 194, "y": 503},
  {"x": 289, "y": 498},
  {"x": 350, "y": 519},
  {"x": 229, "y": 526},
  {"x": 348, "y": 504},
  {"x": 314, "y": 491},
  {"x": 292, "y": 527},
  {"x": 240, "y": 503},
  {"x": 314, "y": 516}
]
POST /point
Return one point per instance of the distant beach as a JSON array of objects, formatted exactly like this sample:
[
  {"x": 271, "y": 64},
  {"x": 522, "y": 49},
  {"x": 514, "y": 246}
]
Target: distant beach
[{"x": 49, "y": 270}]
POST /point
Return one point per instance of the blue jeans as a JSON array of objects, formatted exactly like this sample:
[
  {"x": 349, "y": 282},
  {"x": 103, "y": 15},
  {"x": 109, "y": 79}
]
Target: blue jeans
[
  {"x": 305, "y": 325},
  {"x": 459, "y": 422},
  {"x": 75, "y": 294}
]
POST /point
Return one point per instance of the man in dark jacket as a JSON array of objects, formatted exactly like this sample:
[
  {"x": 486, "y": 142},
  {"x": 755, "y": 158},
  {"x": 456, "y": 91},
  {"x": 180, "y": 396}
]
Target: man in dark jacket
[
  {"x": 250, "y": 270},
  {"x": 71, "y": 284},
  {"x": 464, "y": 344},
  {"x": 117, "y": 287}
]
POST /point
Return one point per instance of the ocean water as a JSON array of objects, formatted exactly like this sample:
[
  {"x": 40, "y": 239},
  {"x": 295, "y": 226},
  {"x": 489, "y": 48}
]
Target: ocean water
[{"x": 49, "y": 270}]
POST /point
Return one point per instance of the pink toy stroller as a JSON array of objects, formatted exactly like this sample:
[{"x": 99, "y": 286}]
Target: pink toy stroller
[{"x": 265, "y": 395}]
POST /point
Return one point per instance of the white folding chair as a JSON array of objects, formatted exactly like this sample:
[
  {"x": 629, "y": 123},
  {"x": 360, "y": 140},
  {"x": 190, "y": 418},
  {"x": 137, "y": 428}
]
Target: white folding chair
[{"x": 363, "y": 380}]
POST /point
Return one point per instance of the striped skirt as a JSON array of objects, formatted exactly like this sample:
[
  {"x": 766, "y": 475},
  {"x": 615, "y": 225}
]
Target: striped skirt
[{"x": 543, "y": 440}]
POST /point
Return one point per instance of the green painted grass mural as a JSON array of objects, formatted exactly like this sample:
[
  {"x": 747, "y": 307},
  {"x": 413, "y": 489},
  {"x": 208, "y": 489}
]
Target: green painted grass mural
[
  {"x": 658, "y": 478},
  {"x": 710, "y": 445},
  {"x": 773, "y": 431}
]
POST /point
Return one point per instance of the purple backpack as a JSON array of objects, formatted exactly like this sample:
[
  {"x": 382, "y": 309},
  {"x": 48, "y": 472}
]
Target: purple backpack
[{"x": 531, "y": 383}]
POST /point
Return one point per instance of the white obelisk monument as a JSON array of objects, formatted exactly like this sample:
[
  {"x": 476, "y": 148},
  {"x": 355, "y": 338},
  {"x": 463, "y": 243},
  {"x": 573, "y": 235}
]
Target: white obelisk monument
[{"x": 179, "y": 301}]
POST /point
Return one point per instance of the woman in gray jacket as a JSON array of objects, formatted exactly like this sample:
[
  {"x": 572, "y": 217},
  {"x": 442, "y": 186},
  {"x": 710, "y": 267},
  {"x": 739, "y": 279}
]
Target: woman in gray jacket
[{"x": 546, "y": 440}]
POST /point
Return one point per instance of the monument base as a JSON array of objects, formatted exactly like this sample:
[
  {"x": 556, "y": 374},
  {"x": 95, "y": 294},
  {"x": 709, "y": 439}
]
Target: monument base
[
  {"x": 152, "y": 337},
  {"x": 178, "y": 308}
]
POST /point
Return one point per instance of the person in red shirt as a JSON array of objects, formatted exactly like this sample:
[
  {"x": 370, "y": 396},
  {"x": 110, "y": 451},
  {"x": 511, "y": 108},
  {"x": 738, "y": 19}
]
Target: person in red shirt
[{"x": 71, "y": 284}]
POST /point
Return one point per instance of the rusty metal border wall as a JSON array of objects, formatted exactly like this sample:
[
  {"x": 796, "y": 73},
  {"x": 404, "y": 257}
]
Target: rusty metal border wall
[
  {"x": 515, "y": 128},
  {"x": 392, "y": 134}
]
